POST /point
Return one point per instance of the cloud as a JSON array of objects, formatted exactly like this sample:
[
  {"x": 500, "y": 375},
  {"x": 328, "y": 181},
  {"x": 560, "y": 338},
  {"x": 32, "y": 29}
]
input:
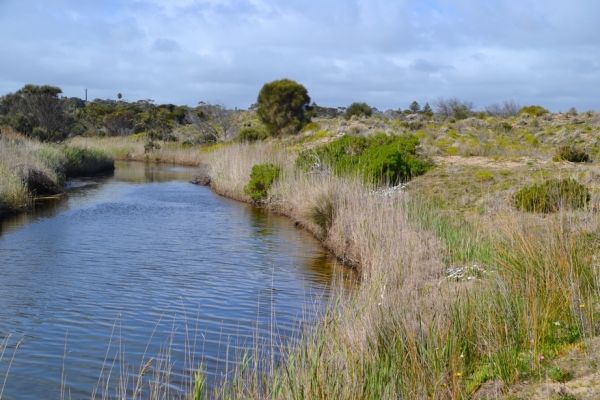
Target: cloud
[
  {"x": 387, "y": 53},
  {"x": 166, "y": 46}
]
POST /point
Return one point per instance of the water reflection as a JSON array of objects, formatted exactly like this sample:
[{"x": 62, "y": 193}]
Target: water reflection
[{"x": 125, "y": 262}]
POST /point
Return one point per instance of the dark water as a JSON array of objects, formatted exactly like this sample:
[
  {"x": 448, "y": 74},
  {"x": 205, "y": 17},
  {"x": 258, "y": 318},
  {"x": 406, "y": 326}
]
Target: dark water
[{"x": 143, "y": 265}]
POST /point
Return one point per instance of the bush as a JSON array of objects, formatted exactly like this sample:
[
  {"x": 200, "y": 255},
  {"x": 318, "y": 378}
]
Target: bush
[
  {"x": 552, "y": 196},
  {"x": 533, "y": 111},
  {"x": 261, "y": 179},
  {"x": 572, "y": 154},
  {"x": 251, "y": 134},
  {"x": 378, "y": 159},
  {"x": 282, "y": 105},
  {"x": 358, "y": 109}
]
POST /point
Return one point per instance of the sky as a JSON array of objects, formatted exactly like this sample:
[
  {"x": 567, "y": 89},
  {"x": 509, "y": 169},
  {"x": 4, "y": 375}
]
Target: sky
[{"x": 387, "y": 53}]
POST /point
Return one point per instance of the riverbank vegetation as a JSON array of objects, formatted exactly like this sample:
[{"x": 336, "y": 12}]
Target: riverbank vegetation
[
  {"x": 30, "y": 169},
  {"x": 475, "y": 233}
]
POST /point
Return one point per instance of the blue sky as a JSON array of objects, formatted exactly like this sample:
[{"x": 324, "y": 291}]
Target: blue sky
[{"x": 385, "y": 52}]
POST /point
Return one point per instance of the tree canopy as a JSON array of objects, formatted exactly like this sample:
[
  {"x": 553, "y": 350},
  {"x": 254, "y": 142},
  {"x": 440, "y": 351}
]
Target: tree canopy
[{"x": 282, "y": 106}]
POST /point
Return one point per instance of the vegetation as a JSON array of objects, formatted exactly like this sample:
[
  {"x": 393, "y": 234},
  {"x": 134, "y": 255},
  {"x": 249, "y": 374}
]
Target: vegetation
[
  {"x": 37, "y": 112},
  {"x": 251, "y": 134},
  {"x": 282, "y": 106},
  {"x": 29, "y": 169},
  {"x": 453, "y": 107},
  {"x": 465, "y": 286},
  {"x": 552, "y": 196},
  {"x": 261, "y": 179},
  {"x": 572, "y": 154},
  {"x": 379, "y": 159},
  {"x": 533, "y": 111},
  {"x": 358, "y": 110}
]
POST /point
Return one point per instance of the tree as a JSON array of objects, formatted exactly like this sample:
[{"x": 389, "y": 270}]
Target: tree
[
  {"x": 453, "y": 108},
  {"x": 282, "y": 106},
  {"x": 414, "y": 107},
  {"x": 427, "y": 110},
  {"x": 358, "y": 109},
  {"x": 37, "y": 111},
  {"x": 509, "y": 108},
  {"x": 212, "y": 120},
  {"x": 119, "y": 96}
]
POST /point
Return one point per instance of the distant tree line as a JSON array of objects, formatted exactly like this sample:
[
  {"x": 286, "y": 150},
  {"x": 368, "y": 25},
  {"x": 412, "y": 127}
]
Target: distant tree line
[{"x": 282, "y": 107}]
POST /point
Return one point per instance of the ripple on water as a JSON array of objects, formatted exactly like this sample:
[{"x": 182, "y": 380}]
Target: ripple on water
[{"x": 142, "y": 260}]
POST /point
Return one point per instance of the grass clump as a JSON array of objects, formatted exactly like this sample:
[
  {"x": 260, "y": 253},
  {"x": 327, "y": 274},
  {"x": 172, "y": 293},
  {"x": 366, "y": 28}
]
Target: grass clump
[
  {"x": 552, "y": 196},
  {"x": 558, "y": 374},
  {"x": 85, "y": 161},
  {"x": 572, "y": 154},
  {"x": 379, "y": 159},
  {"x": 261, "y": 179}
]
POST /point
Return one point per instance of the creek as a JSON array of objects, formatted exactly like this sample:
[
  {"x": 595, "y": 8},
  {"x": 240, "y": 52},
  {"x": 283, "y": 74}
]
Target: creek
[{"x": 142, "y": 265}]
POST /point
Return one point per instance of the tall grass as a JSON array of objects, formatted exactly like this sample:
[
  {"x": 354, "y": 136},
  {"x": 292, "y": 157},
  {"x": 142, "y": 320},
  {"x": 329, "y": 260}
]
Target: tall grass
[
  {"x": 447, "y": 302},
  {"x": 29, "y": 169},
  {"x": 417, "y": 328}
]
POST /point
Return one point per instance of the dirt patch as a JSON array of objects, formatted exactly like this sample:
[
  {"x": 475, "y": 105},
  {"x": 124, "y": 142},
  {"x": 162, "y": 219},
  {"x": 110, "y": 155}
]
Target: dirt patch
[{"x": 489, "y": 162}]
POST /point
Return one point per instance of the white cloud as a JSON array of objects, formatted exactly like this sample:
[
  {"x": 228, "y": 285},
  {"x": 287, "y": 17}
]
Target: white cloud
[{"x": 387, "y": 53}]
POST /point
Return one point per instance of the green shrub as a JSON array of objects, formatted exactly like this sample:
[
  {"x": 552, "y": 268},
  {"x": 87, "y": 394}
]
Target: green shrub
[
  {"x": 251, "y": 134},
  {"x": 378, "y": 159},
  {"x": 533, "y": 111},
  {"x": 358, "y": 109},
  {"x": 261, "y": 179},
  {"x": 551, "y": 196},
  {"x": 572, "y": 154}
]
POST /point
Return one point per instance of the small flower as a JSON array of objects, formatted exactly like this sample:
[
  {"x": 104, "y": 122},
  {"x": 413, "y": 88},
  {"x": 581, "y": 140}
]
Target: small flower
[
  {"x": 462, "y": 356},
  {"x": 582, "y": 305},
  {"x": 542, "y": 358},
  {"x": 557, "y": 323},
  {"x": 457, "y": 374}
]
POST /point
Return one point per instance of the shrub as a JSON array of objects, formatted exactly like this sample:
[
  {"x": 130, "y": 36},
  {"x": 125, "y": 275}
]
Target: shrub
[
  {"x": 572, "y": 154},
  {"x": 453, "y": 107},
  {"x": 251, "y": 134},
  {"x": 261, "y": 179},
  {"x": 552, "y": 196},
  {"x": 282, "y": 105},
  {"x": 381, "y": 158},
  {"x": 37, "y": 112},
  {"x": 358, "y": 109},
  {"x": 534, "y": 111}
]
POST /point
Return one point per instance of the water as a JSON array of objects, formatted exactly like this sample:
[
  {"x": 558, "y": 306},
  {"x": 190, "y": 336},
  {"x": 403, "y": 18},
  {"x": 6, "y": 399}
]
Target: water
[{"x": 144, "y": 265}]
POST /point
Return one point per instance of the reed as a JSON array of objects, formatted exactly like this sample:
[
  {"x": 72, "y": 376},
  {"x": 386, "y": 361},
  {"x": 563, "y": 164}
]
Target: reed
[
  {"x": 447, "y": 304},
  {"x": 29, "y": 169}
]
